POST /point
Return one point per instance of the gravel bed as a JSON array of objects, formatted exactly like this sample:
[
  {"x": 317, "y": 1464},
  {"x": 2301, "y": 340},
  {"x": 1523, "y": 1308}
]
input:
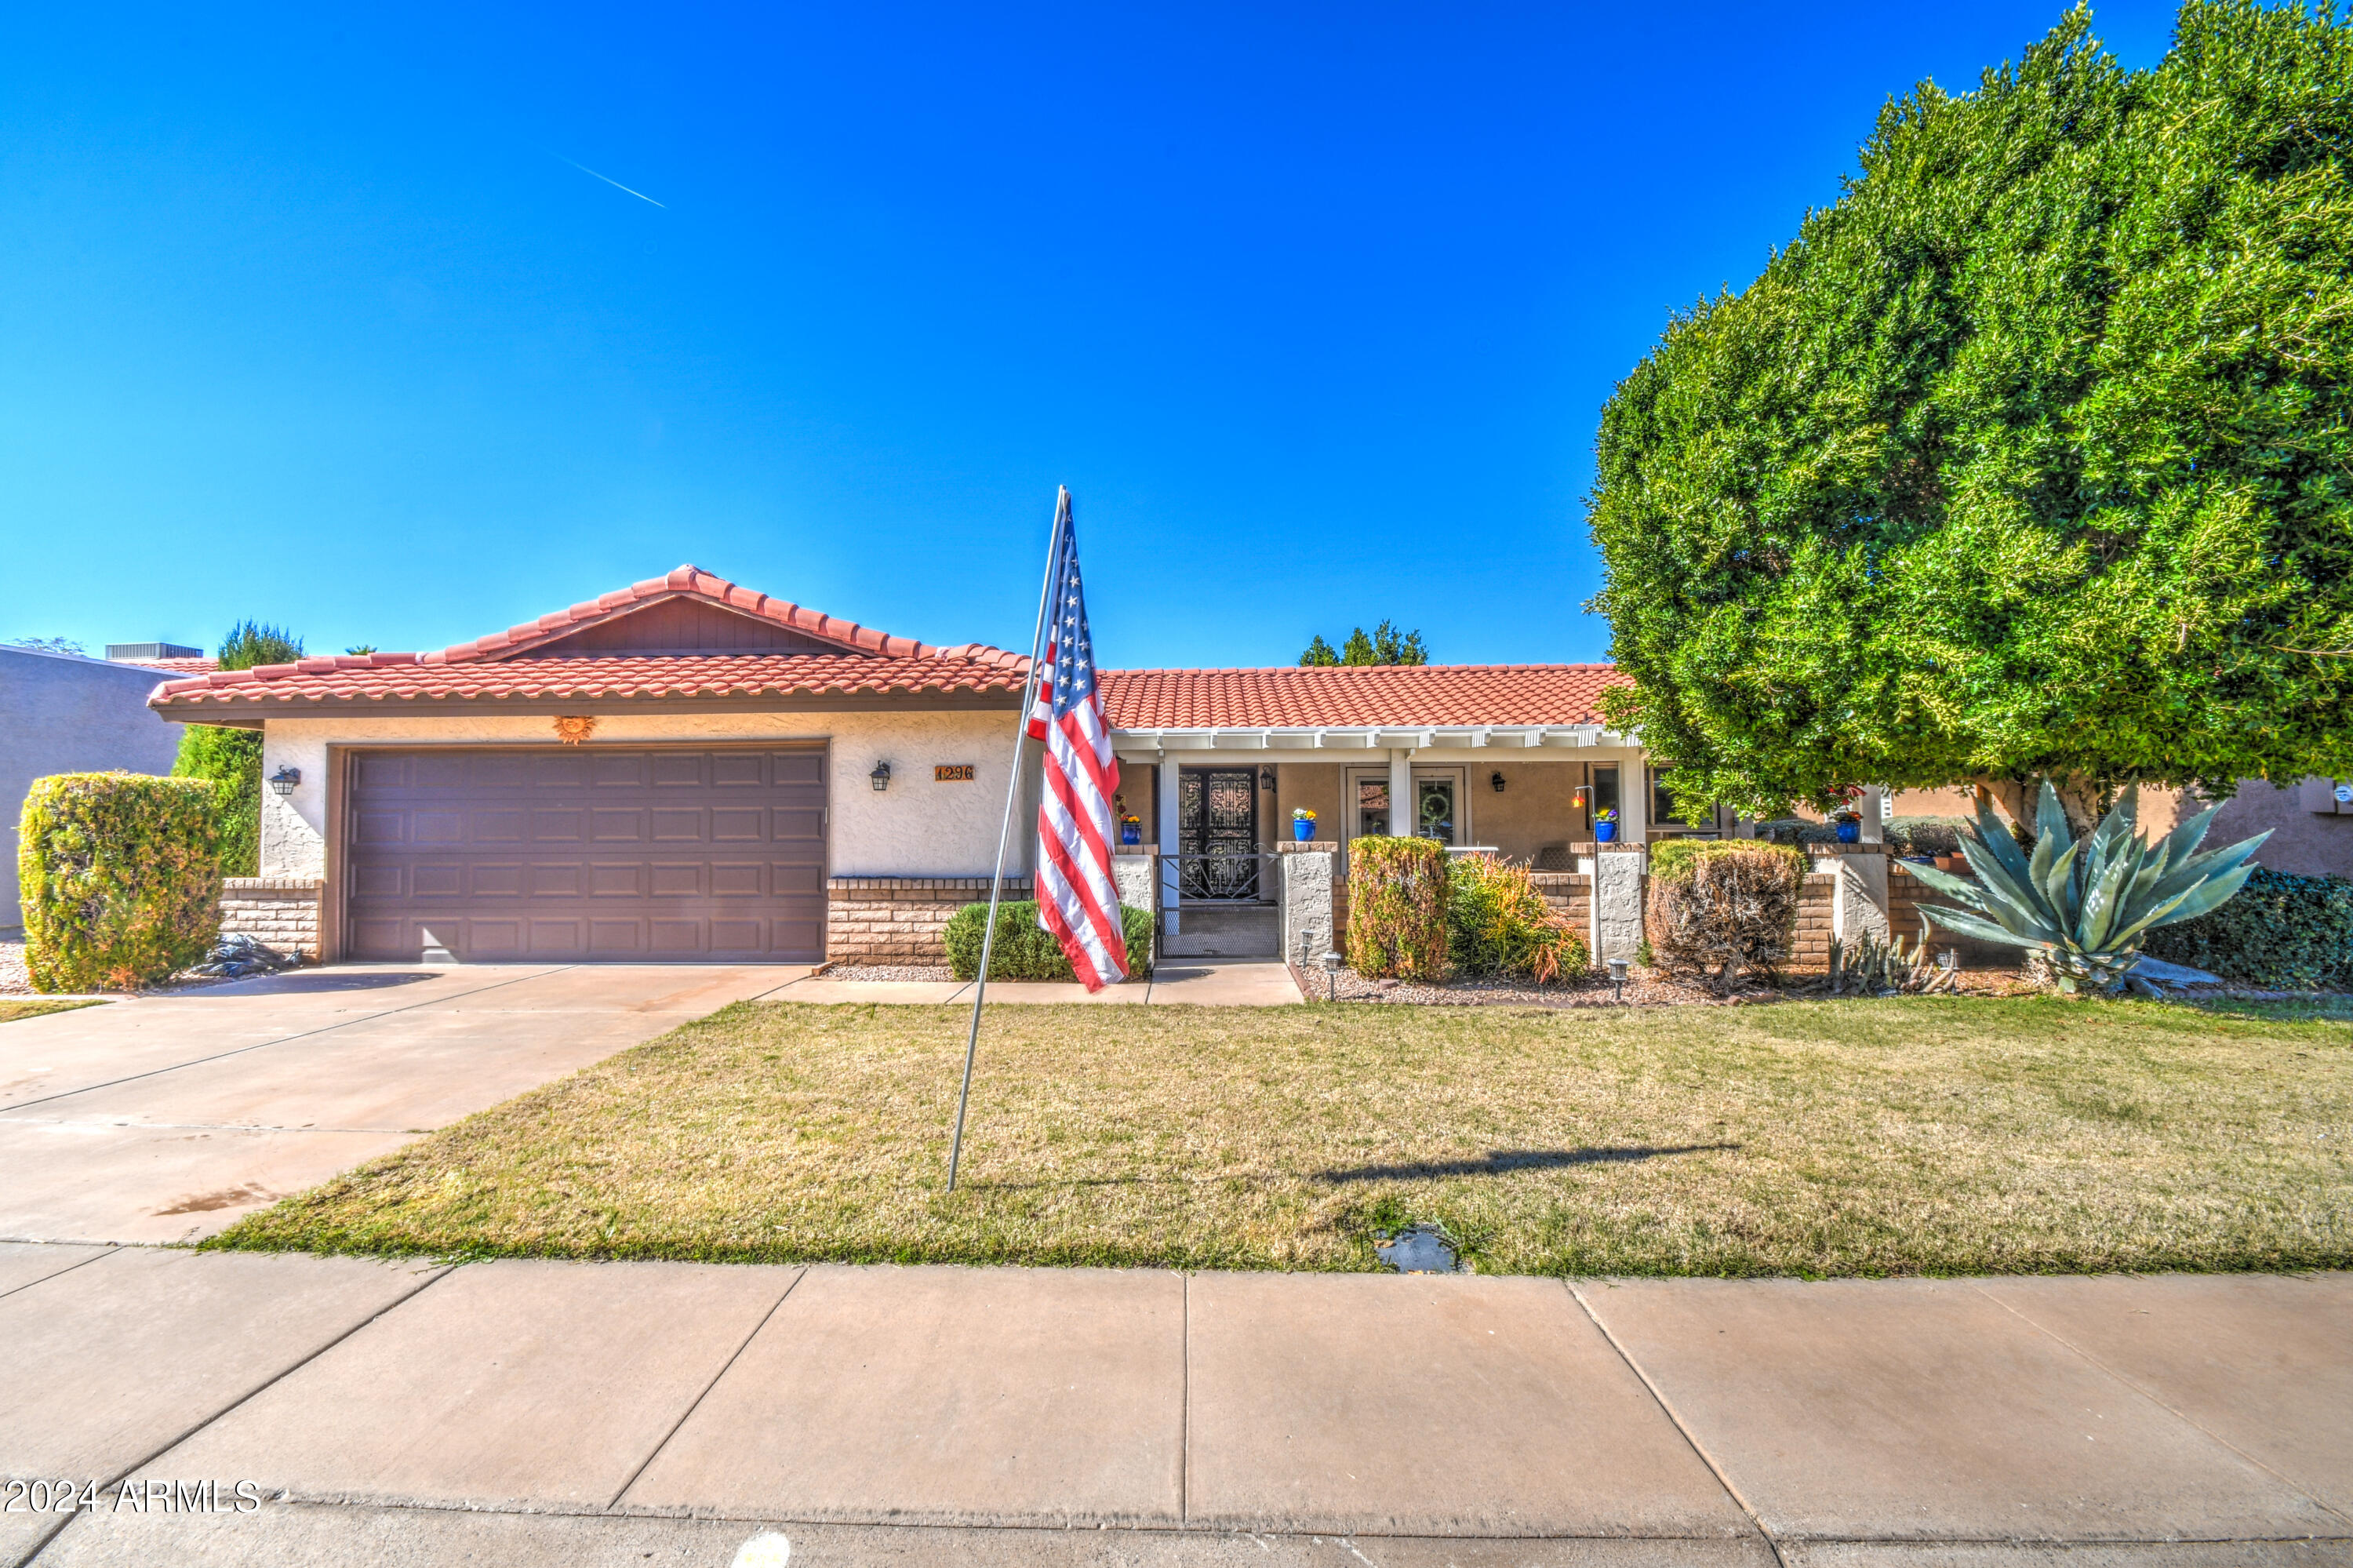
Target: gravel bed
[
  {"x": 1644, "y": 988},
  {"x": 13, "y": 979},
  {"x": 888, "y": 972}
]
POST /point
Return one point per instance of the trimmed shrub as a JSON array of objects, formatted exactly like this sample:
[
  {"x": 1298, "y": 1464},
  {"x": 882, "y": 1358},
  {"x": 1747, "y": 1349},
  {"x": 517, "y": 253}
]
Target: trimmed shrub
[
  {"x": 230, "y": 760},
  {"x": 1026, "y": 950},
  {"x": 2285, "y": 932},
  {"x": 1498, "y": 923},
  {"x": 1396, "y": 907},
  {"x": 1731, "y": 906},
  {"x": 1925, "y": 835},
  {"x": 121, "y": 879}
]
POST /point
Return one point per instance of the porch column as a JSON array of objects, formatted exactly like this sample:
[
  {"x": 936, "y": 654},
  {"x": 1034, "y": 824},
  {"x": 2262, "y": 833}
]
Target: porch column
[
  {"x": 1634, "y": 800},
  {"x": 1402, "y": 817},
  {"x": 1872, "y": 806},
  {"x": 1167, "y": 829}
]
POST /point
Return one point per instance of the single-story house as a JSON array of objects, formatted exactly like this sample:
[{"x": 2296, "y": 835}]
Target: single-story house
[
  {"x": 690, "y": 769},
  {"x": 63, "y": 712}
]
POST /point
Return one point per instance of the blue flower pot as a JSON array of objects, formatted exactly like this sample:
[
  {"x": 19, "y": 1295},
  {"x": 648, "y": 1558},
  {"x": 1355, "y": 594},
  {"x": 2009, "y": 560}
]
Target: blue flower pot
[
  {"x": 1304, "y": 832},
  {"x": 1605, "y": 833},
  {"x": 1130, "y": 835},
  {"x": 1850, "y": 832}
]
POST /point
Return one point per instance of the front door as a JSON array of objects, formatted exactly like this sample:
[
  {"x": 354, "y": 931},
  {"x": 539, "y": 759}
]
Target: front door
[{"x": 1217, "y": 834}]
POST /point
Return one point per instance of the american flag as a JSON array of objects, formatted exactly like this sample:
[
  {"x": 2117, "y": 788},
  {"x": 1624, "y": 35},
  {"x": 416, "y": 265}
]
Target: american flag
[{"x": 1077, "y": 901}]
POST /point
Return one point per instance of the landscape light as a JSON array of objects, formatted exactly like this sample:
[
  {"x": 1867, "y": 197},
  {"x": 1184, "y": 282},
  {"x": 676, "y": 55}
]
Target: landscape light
[
  {"x": 1332, "y": 962},
  {"x": 1617, "y": 979}
]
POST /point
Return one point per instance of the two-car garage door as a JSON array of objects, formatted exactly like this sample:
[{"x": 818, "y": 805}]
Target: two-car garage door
[{"x": 587, "y": 853}]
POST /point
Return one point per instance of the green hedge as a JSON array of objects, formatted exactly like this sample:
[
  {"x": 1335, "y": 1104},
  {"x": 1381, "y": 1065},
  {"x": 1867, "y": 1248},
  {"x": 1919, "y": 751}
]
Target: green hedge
[
  {"x": 1026, "y": 950},
  {"x": 1398, "y": 891},
  {"x": 2288, "y": 933},
  {"x": 120, "y": 878},
  {"x": 1677, "y": 859}
]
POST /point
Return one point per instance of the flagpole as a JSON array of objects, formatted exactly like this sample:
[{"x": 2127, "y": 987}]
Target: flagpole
[{"x": 1005, "y": 830}]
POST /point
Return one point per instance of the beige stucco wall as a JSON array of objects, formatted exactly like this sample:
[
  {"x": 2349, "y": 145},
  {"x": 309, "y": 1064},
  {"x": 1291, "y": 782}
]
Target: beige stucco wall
[
  {"x": 2306, "y": 843},
  {"x": 1536, "y": 808},
  {"x": 916, "y": 828}
]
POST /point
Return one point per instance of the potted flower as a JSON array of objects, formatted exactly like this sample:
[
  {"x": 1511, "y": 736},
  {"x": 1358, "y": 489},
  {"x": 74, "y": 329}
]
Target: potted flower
[
  {"x": 1849, "y": 826},
  {"x": 1130, "y": 830},
  {"x": 1302, "y": 824},
  {"x": 1605, "y": 825}
]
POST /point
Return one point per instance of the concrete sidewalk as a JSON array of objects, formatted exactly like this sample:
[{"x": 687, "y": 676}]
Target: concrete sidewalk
[{"x": 532, "y": 1412}]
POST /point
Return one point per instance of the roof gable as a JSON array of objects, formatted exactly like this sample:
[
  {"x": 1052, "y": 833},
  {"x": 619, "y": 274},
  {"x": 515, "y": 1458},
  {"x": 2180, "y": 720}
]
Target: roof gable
[
  {"x": 683, "y": 623},
  {"x": 689, "y": 583}
]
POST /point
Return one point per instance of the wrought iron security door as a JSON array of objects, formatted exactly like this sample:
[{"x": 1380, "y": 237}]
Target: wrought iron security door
[{"x": 1217, "y": 834}]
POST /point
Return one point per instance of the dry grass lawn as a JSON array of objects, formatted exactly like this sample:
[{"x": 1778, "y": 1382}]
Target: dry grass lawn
[
  {"x": 14, "y": 1008},
  {"x": 1937, "y": 1135}
]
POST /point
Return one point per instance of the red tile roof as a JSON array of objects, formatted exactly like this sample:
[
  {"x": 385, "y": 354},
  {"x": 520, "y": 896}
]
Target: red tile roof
[
  {"x": 870, "y": 662},
  {"x": 1356, "y": 697},
  {"x": 874, "y": 663}
]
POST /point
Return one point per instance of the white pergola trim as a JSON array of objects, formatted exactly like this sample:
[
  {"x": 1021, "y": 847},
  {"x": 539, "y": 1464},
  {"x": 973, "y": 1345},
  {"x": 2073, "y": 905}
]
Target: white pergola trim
[{"x": 1385, "y": 738}]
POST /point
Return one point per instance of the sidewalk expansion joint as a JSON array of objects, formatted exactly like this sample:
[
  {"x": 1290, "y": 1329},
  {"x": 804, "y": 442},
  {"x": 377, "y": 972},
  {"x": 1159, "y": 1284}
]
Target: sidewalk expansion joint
[
  {"x": 726, "y": 1367},
  {"x": 2149, "y": 1394},
  {"x": 116, "y": 1479},
  {"x": 1668, "y": 1409}
]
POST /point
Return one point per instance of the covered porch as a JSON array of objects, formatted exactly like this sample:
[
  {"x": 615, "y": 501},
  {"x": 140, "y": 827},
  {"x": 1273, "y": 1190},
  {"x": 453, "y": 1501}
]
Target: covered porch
[{"x": 1215, "y": 807}]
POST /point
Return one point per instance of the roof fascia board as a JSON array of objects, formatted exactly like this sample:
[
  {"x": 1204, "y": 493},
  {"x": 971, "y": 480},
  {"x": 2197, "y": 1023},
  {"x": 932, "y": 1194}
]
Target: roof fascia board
[{"x": 249, "y": 714}]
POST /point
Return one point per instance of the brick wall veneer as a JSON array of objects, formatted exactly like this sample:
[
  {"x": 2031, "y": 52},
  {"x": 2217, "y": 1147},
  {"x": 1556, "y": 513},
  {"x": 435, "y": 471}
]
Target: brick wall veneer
[
  {"x": 279, "y": 912},
  {"x": 898, "y": 919}
]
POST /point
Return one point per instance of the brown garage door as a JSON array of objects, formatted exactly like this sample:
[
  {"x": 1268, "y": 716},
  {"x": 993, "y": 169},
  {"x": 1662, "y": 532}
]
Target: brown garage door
[{"x": 588, "y": 854}]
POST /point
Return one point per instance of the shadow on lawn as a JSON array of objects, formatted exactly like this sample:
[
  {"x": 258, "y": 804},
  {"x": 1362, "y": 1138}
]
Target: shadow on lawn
[{"x": 1502, "y": 1161}]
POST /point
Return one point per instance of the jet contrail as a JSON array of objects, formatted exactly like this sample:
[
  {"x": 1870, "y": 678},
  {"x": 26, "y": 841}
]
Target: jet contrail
[{"x": 607, "y": 179}]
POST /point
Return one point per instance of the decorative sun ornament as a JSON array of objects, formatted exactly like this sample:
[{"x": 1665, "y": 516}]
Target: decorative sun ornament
[{"x": 574, "y": 728}]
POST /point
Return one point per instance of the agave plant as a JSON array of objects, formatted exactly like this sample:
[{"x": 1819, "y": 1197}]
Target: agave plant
[{"x": 2085, "y": 905}]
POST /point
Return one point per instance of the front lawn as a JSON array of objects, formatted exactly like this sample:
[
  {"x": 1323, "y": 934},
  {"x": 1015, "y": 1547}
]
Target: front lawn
[
  {"x": 1944, "y": 1135},
  {"x": 12, "y": 1007}
]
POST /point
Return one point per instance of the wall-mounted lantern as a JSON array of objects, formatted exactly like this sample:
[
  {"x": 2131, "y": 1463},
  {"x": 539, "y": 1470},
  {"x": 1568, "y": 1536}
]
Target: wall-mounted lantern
[
  {"x": 1495, "y": 780},
  {"x": 282, "y": 782},
  {"x": 1266, "y": 780},
  {"x": 881, "y": 776}
]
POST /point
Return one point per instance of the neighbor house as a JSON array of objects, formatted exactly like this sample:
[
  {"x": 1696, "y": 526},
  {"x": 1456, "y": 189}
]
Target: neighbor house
[
  {"x": 690, "y": 769},
  {"x": 63, "y": 712}
]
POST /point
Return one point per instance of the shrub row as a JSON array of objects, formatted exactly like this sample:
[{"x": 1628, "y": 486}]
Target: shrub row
[
  {"x": 121, "y": 879},
  {"x": 1396, "y": 907},
  {"x": 2290, "y": 933},
  {"x": 1026, "y": 950},
  {"x": 1498, "y": 923},
  {"x": 1728, "y": 905}
]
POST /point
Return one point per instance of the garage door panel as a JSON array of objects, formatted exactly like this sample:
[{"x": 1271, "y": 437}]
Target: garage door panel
[
  {"x": 739, "y": 824},
  {"x": 677, "y": 825},
  {"x": 623, "y": 880},
  {"x": 497, "y": 827},
  {"x": 617, "y": 825},
  {"x": 508, "y": 854}
]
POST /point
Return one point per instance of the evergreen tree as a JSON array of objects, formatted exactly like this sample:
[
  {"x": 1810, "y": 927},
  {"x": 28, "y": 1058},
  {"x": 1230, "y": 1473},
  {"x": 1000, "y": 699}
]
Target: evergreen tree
[
  {"x": 1319, "y": 653},
  {"x": 231, "y": 758},
  {"x": 2032, "y": 455}
]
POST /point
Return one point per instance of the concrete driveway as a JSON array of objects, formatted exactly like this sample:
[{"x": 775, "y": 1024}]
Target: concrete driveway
[{"x": 163, "y": 1118}]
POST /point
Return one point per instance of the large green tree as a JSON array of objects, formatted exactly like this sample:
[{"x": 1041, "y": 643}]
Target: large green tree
[
  {"x": 1386, "y": 645},
  {"x": 2031, "y": 456},
  {"x": 231, "y": 758}
]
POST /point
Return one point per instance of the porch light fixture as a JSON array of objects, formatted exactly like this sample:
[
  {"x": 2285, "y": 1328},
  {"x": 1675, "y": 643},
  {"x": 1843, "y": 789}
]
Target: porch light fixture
[
  {"x": 1266, "y": 780},
  {"x": 1617, "y": 979},
  {"x": 881, "y": 776},
  {"x": 1496, "y": 779},
  {"x": 282, "y": 782}
]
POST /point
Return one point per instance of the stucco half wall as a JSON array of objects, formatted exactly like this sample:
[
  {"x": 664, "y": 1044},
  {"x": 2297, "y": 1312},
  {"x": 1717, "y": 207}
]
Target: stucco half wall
[{"x": 919, "y": 826}]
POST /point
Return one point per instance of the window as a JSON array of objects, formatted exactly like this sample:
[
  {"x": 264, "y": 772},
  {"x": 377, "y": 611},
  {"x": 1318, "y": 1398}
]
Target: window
[
  {"x": 1372, "y": 807},
  {"x": 1605, "y": 793}
]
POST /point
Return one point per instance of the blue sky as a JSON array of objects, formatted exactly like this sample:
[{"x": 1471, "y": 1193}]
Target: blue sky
[{"x": 316, "y": 319}]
